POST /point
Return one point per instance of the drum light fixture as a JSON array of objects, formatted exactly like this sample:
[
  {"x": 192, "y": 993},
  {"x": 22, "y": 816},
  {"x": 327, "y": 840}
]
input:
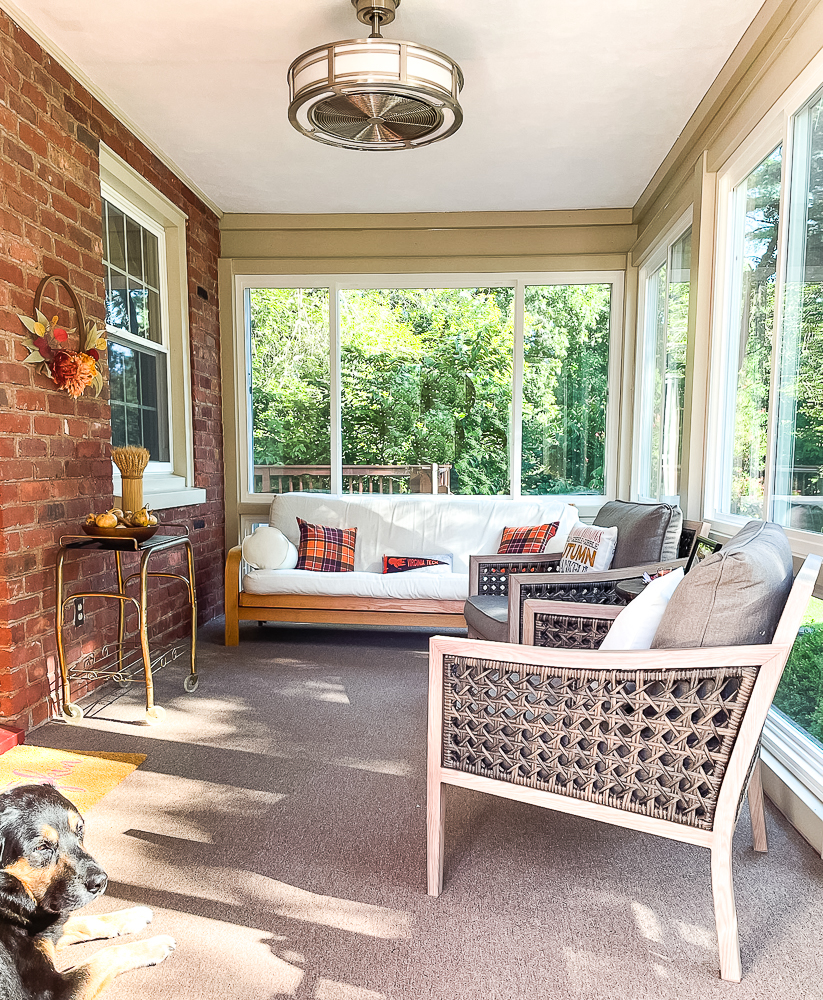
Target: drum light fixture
[{"x": 375, "y": 93}]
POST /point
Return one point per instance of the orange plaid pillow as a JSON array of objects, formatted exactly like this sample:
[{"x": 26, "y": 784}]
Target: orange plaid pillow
[
  {"x": 325, "y": 550},
  {"x": 532, "y": 538}
]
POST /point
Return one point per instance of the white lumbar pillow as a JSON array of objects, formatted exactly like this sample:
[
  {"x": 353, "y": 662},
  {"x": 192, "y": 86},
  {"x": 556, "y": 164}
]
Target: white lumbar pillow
[
  {"x": 588, "y": 549},
  {"x": 567, "y": 521},
  {"x": 268, "y": 548},
  {"x": 635, "y": 626}
]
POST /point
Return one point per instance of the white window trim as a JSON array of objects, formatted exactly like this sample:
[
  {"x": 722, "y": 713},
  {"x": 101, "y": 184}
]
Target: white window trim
[
  {"x": 164, "y": 484},
  {"x": 587, "y": 504},
  {"x": 783, "y": 742},
  {"x": 658, "y": 254}
]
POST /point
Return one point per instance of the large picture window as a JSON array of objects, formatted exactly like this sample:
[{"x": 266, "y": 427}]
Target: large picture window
[
  {"x": 471, "y": 388},
  {"x": 767, "y": 406}
]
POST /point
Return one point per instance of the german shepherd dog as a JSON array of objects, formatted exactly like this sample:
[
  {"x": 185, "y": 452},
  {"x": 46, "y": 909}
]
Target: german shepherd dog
[{"x": 45, "y": 875}]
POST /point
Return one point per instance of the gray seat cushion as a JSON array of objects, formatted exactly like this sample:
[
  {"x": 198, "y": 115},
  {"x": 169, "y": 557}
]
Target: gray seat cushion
[
  {"x": 734, "y": 597},
  {"x": 488, "y": 617},
  {"x": 646, "y": 532}
]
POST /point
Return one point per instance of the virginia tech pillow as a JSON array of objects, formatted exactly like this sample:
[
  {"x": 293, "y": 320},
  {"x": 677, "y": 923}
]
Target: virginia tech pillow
[
  {"x": 418, "y": 564},
  {"x": 588, "y": 549}
]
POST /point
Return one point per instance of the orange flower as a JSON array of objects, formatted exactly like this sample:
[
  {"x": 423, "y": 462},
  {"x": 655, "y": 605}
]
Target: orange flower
[{"x": 73, "y": 371}]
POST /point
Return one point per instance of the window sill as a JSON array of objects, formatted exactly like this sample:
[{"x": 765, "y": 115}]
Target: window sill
[
  {"x": 161, "y": 492},
  {"x": 793, "y": 776}
]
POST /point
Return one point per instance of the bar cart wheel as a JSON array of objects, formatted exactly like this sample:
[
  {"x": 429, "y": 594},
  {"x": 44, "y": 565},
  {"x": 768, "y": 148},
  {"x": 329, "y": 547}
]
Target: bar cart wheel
[
  {"x": 72, "y": 712},
  {"x": 155, "y": 715},
  {"x": 190, "y": 683}
]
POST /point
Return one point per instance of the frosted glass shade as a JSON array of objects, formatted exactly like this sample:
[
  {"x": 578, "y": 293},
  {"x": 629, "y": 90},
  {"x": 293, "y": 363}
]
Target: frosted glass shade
[{"x": 375, "y": 93}]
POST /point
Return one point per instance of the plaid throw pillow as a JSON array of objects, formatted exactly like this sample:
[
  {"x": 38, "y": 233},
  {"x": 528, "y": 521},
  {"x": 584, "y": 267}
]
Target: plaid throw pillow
[
  {"x": 532, "y": 538},
  {"x": 325, "y": 550}
]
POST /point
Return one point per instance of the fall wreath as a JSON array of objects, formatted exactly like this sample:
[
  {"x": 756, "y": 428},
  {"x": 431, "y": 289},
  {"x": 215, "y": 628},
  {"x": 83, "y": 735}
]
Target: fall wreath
[{"x": 73, "y": 371}]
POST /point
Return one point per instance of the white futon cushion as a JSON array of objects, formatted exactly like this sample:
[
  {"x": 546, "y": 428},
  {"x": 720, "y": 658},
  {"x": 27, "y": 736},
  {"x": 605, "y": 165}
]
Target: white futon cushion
[
  {"x": 415, "y": 524},
  {"x": 438, "y": 586},
  {"x": 635, "y": 626}
]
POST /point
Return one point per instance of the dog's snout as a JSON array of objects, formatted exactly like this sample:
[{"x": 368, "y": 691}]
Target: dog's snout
[{"x": 96, "y": 881}]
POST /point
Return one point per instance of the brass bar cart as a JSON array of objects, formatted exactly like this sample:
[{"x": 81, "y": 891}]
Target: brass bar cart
[{"x": 114, "y": 661}]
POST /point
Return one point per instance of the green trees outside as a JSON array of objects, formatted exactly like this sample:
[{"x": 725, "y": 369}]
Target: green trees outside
[
  {"x": 565, "y": 388},
  {"x": 426, "y": 376},
  {"x": 756, "y": 326},
  {"x": 800, "y": 692}
]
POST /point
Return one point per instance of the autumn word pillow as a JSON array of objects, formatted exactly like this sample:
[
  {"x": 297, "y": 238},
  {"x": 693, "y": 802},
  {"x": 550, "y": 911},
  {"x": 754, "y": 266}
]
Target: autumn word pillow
[
  {"x": 588, "y": 549},
  {"x": 532, "y": 538},
  {"x": 418, "y": 564},
  {"x": 325, "y": 550}
]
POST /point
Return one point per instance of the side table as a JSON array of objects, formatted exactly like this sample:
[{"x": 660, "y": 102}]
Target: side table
[
  {"x": 629, "y": 589},
  {"x": 116, "y": 662}
]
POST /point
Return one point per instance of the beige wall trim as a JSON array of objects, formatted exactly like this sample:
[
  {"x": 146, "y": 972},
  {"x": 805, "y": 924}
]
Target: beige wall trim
[
  {"x": 405, "y": 243},
  {"x": 699, "y": 347},
  {"x": 430, "y": 220},
  {"x": 428, "y": 265},
  {"x": 774, "y": 28}
]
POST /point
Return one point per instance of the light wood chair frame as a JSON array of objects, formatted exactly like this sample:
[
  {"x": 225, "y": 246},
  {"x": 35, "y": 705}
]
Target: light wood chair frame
[{"x": 770, "y": 658}]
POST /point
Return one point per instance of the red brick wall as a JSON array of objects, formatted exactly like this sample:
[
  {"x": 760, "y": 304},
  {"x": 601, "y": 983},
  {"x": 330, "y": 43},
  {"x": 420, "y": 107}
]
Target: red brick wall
[{"x": 54, "y": 451}]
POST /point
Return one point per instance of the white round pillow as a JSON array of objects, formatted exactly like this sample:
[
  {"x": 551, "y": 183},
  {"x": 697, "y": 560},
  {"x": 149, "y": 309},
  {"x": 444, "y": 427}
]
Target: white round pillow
[{"x": 268, "y": 548}]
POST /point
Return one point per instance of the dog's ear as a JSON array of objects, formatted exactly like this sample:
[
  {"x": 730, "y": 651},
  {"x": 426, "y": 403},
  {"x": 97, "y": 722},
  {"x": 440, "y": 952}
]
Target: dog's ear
[{"x": 16, "y": 905}]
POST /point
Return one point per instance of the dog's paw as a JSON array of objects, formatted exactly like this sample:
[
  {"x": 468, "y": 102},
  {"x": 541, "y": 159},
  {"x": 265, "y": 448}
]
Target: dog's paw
[
  {"x": 158, "y": 949},
  {"x": 155, "y": 950},
  {"x": 132, "y": 921}
]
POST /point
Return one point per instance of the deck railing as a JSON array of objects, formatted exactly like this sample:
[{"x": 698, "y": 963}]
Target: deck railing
[{"x": 390, "y": 479}]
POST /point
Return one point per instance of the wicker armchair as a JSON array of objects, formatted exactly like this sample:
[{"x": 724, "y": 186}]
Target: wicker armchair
[
  {"x": 499, "y": 585},
  {"x": 665, "y": 745}
]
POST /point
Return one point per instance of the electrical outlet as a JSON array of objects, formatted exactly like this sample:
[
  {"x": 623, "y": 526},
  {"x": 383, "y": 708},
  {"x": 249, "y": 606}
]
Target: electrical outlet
[{"x": 79, "y": 612}]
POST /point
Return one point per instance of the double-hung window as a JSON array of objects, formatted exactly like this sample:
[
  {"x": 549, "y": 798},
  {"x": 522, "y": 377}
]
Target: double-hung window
[
  {"x": 147, "y": 323},
  {"x": 661, "y": 368},
  {"x": 133, "y": 256}
]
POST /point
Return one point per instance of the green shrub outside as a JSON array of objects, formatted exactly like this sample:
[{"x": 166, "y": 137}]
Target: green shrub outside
[{"x": 800, "y": 693}]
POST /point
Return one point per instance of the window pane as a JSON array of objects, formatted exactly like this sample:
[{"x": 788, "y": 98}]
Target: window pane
[
  {"x": 134, "y": 254},
  {"x": 798, "y": 488},
  {"x": 426, "y": 380},
  {"x": 151, "y": 259},
  {"x": 674, "y": 389},
  {"x": 139, "y": 399},
  {"x": 117, "y": 237},
  {"x": 117, "y": 309},
  {"x": 757, "y": 209},
  {"x": 654, "y": 355},
  {"x": 565, "y": 385},
  {"x": 290, "y": 389}
]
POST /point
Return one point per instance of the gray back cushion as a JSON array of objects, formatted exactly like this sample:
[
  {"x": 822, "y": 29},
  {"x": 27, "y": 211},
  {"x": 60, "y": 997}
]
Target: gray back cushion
[
  {"x": 734, "y": 597},
  {"x": 646, "y": 532}
]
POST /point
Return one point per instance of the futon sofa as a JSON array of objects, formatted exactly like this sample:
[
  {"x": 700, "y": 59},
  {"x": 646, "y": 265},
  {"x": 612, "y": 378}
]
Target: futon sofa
[{"x": 399, "y": 525}]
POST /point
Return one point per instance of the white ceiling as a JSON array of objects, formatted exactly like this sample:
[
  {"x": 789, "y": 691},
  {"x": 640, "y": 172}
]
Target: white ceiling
[{"x": 568, "y": 103}]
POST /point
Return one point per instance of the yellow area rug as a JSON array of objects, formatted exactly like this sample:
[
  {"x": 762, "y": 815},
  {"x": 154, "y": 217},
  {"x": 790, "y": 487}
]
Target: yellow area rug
[{"x": 82, "y": 776}]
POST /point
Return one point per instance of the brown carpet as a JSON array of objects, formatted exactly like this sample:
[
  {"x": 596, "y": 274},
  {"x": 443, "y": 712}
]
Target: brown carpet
[{"x": 277, "y": 829}]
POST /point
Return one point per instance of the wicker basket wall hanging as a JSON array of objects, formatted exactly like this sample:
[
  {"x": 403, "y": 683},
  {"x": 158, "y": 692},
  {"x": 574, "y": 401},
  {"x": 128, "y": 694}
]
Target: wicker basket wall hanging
[{"x": 72, "y": 371}]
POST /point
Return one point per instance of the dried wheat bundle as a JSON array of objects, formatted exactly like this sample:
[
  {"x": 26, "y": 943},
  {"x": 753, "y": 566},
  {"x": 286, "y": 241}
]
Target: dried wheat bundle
[{"x": 131, "y": 461}]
